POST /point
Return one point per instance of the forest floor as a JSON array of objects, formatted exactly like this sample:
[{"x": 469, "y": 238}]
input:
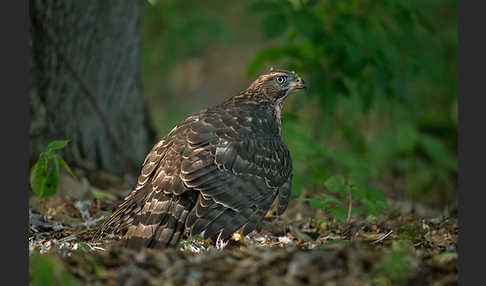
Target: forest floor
[{"x": 406, "y": 246}]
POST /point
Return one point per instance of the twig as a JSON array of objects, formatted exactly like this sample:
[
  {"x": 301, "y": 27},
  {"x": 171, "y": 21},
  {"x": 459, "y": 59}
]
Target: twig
[
  {"x": 349, "y": 208},
  {"x": 382, "y": 237}
]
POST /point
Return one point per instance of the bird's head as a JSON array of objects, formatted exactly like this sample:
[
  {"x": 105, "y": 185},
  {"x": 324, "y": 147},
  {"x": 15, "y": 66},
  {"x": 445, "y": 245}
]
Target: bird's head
[{"x": 277, "y": 84}]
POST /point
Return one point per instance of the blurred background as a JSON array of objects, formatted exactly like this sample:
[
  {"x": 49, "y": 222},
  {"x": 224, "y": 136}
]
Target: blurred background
[{"x": 379, "y": 118}]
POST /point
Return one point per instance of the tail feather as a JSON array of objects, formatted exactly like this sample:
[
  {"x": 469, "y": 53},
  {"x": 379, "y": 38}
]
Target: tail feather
[
  {"x": 161, "y": 222},
  {"x": 124, "y": 215}
]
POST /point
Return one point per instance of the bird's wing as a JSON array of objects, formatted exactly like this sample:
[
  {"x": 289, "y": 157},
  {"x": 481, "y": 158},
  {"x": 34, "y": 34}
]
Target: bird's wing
[
  {"x": 226, "y": 172},
  {"x": 237, "y": 174}
]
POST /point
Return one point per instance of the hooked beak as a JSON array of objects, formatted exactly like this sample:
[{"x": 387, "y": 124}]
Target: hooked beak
[{"x": 298, "y": 84}]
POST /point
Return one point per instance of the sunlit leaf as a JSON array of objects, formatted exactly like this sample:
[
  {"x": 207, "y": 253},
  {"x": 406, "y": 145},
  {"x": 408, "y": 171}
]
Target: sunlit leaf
[
  {"x": 56, "y": 145},
  {"x": 64, "y": 165},
  {"x": 38, "y": 175}
]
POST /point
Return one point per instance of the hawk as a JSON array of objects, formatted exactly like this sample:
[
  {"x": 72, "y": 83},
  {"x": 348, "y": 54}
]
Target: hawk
[{"x": 217, "y": 172}]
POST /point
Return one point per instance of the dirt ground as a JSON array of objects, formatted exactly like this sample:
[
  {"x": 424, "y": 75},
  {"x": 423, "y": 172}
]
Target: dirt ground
[{"x": 406, "y": 246}]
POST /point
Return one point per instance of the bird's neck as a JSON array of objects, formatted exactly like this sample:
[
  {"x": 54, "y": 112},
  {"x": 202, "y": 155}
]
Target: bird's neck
[
  {"x": 256, "y": 98},
  {"x": 277, "y": 114}
]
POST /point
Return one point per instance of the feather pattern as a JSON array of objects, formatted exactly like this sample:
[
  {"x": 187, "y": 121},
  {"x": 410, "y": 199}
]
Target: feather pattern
[{"x": 218, "y": 171}]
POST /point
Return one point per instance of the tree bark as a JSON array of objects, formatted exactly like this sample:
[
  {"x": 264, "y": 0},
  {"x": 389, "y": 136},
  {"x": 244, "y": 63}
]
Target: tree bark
[{"x": 83, "y": 49}]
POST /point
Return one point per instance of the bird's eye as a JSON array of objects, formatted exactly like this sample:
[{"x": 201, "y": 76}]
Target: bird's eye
[{"x": 280, "y": 79}]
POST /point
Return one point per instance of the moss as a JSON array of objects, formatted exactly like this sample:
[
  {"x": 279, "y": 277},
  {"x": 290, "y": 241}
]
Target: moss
[{"x": 410, "y": 232}]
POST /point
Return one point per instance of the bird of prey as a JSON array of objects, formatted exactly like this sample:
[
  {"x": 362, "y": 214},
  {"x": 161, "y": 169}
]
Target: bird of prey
[{"x": 215, "y": 173}]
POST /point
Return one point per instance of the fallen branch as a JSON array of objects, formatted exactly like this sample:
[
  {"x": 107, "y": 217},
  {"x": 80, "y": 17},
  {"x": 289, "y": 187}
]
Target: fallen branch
[{"x": 382, "y": 237}]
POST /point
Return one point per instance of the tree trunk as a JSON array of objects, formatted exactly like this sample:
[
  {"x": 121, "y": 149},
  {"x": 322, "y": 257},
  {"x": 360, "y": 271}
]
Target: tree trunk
[{"x": 82, "y": 48}]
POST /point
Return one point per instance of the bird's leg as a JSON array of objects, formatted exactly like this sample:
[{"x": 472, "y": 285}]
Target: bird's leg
[{"x": 220, "y": 243}]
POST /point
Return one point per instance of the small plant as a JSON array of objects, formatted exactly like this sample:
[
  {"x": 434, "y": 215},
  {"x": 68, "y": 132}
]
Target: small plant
[
  {"x": 344, "y": 193},
  {"x": 336, "y": 181},
  {"x": 44, "y": 175}
]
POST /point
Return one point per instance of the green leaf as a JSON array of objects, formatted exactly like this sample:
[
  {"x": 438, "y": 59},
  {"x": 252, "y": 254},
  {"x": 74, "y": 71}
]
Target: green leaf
[
  {"x": 339, "y": 213},
  {"x": 56, "y": 163},
  {"x": 356, "y": 192},
  {"x": 63, "y": 163},
  {"x": 47, "y": 270},
  {"x": 102, "y": 195},
  {"x": 43, "y": 181},
  {"x": 51, "y": 184},
  {"x": 56, "y": 145},
  {"x": 316, "y": 203},
  {"x": 85, "y": 246},
  {"x": 38, "y": 175},
  {"x": 336, "y": 184},
  {"x": 42, "y": 270},
  {"x": 331, "y": 199}
]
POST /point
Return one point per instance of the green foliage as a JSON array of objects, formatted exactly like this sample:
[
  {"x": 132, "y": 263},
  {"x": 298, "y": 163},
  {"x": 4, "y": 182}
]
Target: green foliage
[
  {"x": 340, "y": 201},
  {"x": 381, "y": 99},
  {"x": 396, "y": 266},
  {"x": 47, "y": 271},
  {"x": 177, "y": 32},
  {"x": 97, "y": 193},
  {"x": 315, "y": 169},
  {"x": 44, "y": 175}
]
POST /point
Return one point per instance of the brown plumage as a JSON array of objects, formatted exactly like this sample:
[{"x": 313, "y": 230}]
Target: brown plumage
[{"x": 218, "y": 171}]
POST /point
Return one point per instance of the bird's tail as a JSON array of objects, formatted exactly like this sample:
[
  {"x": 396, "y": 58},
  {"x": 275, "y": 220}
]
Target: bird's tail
[
  {"x": 125, "y": 214},
  {"x": 161, "y": 223}
]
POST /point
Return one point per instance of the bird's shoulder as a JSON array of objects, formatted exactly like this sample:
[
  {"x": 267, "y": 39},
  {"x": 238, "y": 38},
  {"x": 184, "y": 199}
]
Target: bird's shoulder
[{"x": 242, "y": 139}]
